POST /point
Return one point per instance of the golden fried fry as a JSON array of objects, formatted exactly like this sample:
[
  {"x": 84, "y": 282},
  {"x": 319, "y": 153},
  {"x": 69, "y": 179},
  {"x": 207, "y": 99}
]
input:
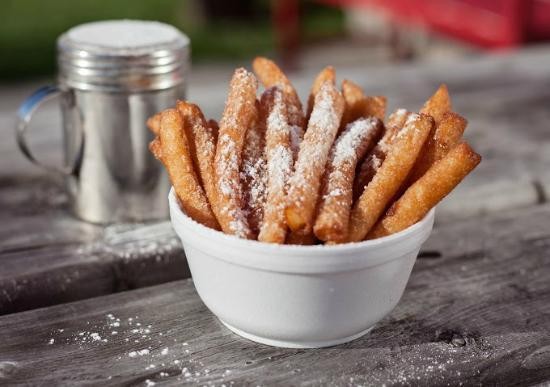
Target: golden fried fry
[
  {"x": 353, "y": 95},
  {"x": 376, "y": 157},
  {"x": 312, "y": 158},
  {"x": 253, "y": 175},
  {"x": 374, "y": 106},
  {"x": 397, "y": 119},
  {"x": 271, "y": 75},
  {"x": 156, "y": 148},
  {"x": 352, "y": 92},
  {"x": 426, "y": 192},
  {"x": 447, "y": 134},
  {"x": 438, "y": 104},
  {"x": 239, "y": 113},
  {"x": 359, "y": 105},
  {"x": 279, "y": 165},
  {"x": 328, "y": 74},
  {"x": 153, "y": 123},
  {"x": 261, "y": 174},
  {"x": 202, "y": 146},
  {"x": 296, "y": 138},
  {"x": 332, "y": 220},
  {"x": 392, "y": 173},
  {"x": 175, "y": 156}
]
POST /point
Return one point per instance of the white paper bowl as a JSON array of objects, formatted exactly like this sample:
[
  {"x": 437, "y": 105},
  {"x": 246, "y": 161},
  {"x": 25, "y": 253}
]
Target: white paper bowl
[{"x": 298, "y": 296}]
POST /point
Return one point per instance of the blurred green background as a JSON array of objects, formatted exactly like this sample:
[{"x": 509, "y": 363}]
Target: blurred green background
[{"x": 219, "y": 30}]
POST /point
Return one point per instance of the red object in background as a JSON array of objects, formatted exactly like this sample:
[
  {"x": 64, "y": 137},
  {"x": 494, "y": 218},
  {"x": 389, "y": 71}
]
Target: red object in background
[
  {"x": 285, "y": 16},
  {"x": 488, "y": 23}
]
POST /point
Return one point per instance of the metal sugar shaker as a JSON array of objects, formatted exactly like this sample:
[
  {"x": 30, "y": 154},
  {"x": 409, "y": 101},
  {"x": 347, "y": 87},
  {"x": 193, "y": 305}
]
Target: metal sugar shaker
[{"x": 112, "y": 76}]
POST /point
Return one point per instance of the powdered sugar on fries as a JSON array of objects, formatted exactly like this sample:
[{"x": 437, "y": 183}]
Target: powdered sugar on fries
[
  {"x": 264, "y": 174},
  {"x": 313, "y": 157},
  {"x": 280, "y": 157},
  {"x": 333, "y": 216},
  {"x": 229, "y": 187},
  {"x": 346, "y": 146},
  {"x": 305, "y": 183},
  {"x": 239, "y": 113},
  {"x": 253, "y": 176},
  {"x": 279, "y": 166}
]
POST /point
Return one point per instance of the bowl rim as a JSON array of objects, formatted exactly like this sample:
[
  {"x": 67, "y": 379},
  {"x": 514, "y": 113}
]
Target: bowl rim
[{"x": 265, "y": 248}]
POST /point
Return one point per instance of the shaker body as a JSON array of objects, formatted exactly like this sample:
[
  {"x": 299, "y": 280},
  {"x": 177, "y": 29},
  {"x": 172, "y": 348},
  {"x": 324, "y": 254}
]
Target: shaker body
[
  {"x": 114, "y": 75},
  {"x": 115, "y": 178}
]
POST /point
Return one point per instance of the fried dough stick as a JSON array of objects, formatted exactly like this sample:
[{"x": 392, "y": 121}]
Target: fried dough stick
[
  {"x": 447, "y": 134},
  {"x": 253, "y": 175},
  {"x": 438, "y": 104},
  {"x": 374, "y": 159},
  {"x": 174, "y": 153},
  {"x": 156, "y": 149},
  {"x": 271, "y": 75},
  {"x": 332, "y": 220},
  {"x": 390, "y": 176},
  {"x": 279, "y": 165},
  {"x": 312, "y": 158},
  {"x": 202, "y": 146},
  {"x": 442, "y": 177},
  {"x": 296, "y": 138},
  {"x": 359, "y": 105},
  {"x": 328, "y": 74},
  {"x": 239, "y": 113},
  {"x": 153, "y": 123}
]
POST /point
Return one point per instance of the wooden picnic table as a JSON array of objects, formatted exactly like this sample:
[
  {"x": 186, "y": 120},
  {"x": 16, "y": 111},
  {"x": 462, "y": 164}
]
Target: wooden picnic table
[{"x": 113, "y": 305}]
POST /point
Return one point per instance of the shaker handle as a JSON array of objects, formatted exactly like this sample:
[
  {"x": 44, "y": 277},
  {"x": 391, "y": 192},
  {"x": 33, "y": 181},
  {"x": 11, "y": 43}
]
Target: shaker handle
[{"x": 24, "y": 116}]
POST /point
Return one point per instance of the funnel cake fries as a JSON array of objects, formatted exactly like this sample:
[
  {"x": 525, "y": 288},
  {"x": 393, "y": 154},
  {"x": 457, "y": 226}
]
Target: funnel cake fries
[
  {"x": 350, "y": 176},
  {"x": 153, "y": 123},
  {"x": 253, "y": 175},
  {"x": 239, "y": 113},
  {"x": 271, "y": 75},
  {"x": 174, "y": 153},
  {"x": 359, "y": 105},
  {"x": 155, "y": 148},
  {"x": 447, "y": 134},
  {"x": 296, "y": 137},
  {"x": 372, "y": 162},
  {"x": 279, "y": 165},
  {"x": 427, "y": 191},
  {"x": 314, "y": 150},
  {"x": 438, "y": 104},
  {"x": 332, "y": 220},
  {"x": 389, "y": 177},
  {"x": 202, "y": 145},
  {"x": 328, "y": 74}
]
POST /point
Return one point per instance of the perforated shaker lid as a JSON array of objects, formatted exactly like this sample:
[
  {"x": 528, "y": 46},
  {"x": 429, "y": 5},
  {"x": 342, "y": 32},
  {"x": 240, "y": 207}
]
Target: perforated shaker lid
[{"x": 122, "y": 55}]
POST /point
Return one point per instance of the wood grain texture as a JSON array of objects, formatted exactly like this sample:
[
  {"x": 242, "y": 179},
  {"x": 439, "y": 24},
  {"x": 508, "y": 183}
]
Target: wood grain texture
[
  {"x": 476, "y": 311},
  {"x": 48, "y": 257}
]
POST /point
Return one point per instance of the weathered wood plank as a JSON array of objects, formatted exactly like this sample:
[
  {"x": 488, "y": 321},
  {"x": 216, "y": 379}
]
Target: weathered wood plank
[
  {"x": 48, "y": 257},
  {"x": 475, "y": 312}
]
